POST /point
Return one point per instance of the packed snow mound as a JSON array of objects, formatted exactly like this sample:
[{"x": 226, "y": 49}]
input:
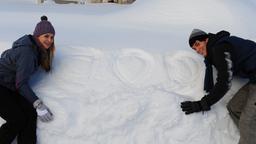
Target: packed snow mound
[{"x": 121, "y": 71}]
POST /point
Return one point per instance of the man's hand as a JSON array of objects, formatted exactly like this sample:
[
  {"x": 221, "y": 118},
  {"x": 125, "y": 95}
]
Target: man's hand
[
  {"x": 43, "y": 112},
  {"x": 190, "y": 107},
  {"x": 194, "y": 106}
]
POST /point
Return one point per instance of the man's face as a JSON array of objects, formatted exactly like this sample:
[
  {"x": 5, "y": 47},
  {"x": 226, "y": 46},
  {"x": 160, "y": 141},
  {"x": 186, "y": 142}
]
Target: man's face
[{"x": 200, "y": 47}]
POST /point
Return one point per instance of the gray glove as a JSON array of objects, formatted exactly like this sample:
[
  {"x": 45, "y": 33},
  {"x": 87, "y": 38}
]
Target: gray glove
[{"x": 43, "y": 112}]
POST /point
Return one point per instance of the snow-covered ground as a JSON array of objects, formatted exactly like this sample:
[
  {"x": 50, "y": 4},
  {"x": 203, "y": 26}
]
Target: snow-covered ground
[{"x": 121, "y": 71}]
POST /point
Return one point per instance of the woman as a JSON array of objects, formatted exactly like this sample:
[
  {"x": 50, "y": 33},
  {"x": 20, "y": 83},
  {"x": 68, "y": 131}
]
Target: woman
[{"x": 19, "y": 105}]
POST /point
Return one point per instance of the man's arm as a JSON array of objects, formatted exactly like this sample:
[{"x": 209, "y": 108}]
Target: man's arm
[{"x": 223, "y": 64}]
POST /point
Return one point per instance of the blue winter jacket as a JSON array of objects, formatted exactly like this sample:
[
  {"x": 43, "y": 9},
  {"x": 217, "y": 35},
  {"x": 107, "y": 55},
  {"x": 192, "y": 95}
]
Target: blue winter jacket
[
  {"x": 231, "y": 56},
  {"x": 18, "y": 64}
]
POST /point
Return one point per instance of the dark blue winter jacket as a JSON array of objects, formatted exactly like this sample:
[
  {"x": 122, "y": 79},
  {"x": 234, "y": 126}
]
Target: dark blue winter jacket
[
  {"x": 18, "y": 64},
  {"x": 231, "y": 56}
]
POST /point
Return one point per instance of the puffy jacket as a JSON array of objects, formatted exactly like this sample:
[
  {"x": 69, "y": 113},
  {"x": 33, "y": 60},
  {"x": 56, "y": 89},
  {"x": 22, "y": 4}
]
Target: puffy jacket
[
  {"x": 231, "y": 56},
  {"x": 18, "y": 64}
]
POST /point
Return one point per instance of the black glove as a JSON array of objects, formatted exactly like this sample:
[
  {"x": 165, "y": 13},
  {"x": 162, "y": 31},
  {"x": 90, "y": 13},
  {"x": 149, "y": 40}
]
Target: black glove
[
  {"x": 189, "y": 107},
  {"x": 194, "y": 106}
]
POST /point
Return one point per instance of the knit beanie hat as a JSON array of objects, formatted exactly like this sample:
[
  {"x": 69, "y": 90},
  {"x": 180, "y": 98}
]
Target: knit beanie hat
[
  {"x": 196, "y": 34},
  {"x": 43, "y": 27}
]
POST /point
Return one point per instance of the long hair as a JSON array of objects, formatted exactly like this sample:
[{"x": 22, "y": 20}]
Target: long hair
[{"x": 46, "y": 58}]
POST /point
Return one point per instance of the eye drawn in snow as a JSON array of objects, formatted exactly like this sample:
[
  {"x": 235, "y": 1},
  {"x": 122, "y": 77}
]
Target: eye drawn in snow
[
  {"x": 184, "y": 70},
  {"x": 134, "y": 67},
  {"x": 81, "y": 62},
  {"x": 74, "y": 69}
]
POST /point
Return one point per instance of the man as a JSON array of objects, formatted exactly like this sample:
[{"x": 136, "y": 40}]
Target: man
[{"x": 231, "y": 56}]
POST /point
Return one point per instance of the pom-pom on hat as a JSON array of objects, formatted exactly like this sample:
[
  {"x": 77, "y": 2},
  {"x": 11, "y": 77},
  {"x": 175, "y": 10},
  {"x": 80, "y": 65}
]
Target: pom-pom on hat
[
  {"x": 196, "y": 34},
  {"x": 43, "y": 27}
]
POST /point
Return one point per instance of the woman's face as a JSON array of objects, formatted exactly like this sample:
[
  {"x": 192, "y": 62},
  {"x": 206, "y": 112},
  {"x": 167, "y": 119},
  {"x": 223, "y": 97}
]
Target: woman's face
[{"x": 46, "y": 40}]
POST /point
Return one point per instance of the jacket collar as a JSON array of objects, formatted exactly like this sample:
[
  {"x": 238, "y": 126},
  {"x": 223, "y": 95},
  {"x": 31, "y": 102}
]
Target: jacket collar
[{"x": 213, "y": 39}]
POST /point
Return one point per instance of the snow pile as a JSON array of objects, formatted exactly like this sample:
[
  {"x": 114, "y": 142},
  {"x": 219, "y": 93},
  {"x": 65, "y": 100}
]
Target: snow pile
[{"x": 121, "y": 71}]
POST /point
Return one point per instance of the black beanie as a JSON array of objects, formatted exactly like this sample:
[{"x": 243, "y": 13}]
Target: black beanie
[{"x": 196, "y": 34}]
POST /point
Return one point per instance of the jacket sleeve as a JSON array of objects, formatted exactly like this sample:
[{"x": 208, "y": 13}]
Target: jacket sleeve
[
  {"x": 223, "y": 64},
  {"x": 25, "y": 66}
]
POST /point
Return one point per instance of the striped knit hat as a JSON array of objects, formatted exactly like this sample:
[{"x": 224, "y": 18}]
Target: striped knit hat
[{"x": 43, "y": 27}]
